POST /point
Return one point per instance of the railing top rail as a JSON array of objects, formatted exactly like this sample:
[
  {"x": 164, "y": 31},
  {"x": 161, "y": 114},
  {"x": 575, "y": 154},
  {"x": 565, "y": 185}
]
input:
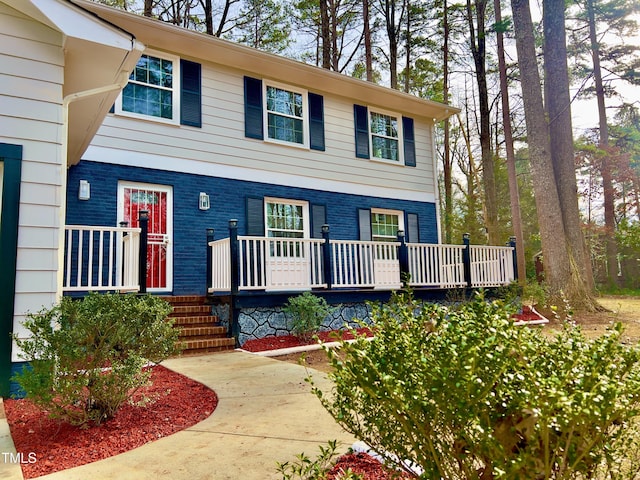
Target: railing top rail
[
  {"x": 275, "y": 239},
  {"x": 491, "y": 247},
  {"x": 219, "y": 242},
  {"x": 436, "y": 245},
  {"x": 363, "y": 242},
  {"x": 94, "y": 228}
]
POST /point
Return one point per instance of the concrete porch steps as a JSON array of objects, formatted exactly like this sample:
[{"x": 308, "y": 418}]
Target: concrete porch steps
[{"x": 200, "y": 331}]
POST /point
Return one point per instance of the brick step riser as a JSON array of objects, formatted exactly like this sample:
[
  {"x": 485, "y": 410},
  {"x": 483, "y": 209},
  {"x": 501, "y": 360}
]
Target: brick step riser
[
  {"x": 190, "y": 311},
  {"x": 210, "y": 321},
  {"x": 205, "y": 351},
  {"x": 218, "y": 332},
  {"x": 185, "y": 300},
  {"x": 210, "y": 343}
]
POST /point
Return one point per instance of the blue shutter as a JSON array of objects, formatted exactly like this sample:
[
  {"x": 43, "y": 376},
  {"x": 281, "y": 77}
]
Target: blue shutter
[
  {"x": 364, "y": 223},
  {"x": 318, "y": 218},
  {"x": 361, "y": 120},
  {"x": 255, "y": 216},
  {"x": 253, "y": 127},
  {"x": 316, "y": 121},
  {"x": 409, "y": 142},
  {"x": 413, "y": 228},
  {"x": 191, "y": 93}
]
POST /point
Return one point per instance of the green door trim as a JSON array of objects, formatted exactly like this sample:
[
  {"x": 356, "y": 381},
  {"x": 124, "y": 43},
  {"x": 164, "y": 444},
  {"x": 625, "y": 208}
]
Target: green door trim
[{"x": 11, "y": 157}]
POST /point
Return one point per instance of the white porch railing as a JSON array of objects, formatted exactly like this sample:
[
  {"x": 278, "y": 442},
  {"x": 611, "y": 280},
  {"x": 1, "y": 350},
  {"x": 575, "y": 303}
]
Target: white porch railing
[
  {"x": 101, "y": 258},
  {"x": 433, "y": 265},
  {"x": 298, "y": 264},
  {"x": 280, "y": 263},
  {"x": 491, "y": 266}
]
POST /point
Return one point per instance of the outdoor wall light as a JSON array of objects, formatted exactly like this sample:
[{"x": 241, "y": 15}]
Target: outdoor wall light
[
  {"x": 204, "y": 203},
  {"x": 84, "y": 190}
]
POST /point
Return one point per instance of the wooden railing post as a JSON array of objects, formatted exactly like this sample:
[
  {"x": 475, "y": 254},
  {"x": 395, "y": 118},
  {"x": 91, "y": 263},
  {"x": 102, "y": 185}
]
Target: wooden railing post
[
  {"x": 234, "y": 251},
  {"x": 466, "y": 258},
  {"x": 143, "y": 221},
  {"x": 210, "y": 238},
  {"x": 512, "y": 243},
  {"x": 326, "y": 257},
  {"x": 403, "y": 258}
]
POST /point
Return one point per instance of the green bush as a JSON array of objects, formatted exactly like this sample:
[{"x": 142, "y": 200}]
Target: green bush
[
  {"x": 304, "y": 468},
  {"x": 87, "y": 357},
  {"x": 307, "y": 312},
  {"x": 464, "y": 394}
]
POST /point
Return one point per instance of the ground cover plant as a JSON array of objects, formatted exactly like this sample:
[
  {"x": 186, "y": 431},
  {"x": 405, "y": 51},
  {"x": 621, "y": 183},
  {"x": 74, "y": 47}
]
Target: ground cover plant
[
  {"x": 86, "y": 357},
  {"x": 307, "y": 312},
  {"x": 461, "y": 393}
]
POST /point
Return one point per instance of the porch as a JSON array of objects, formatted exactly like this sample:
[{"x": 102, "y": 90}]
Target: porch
[
  {"x": 244, "y": 264},
  {"x": 99, "y": 258}
]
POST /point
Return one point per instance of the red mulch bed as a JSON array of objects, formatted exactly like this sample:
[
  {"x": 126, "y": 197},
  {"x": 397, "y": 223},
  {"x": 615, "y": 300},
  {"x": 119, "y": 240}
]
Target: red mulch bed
[
  {"x": 286, "y": 341},
  {"x": 528, "y": 314},
  {"x": 179, "y": 403},
  {"x": 367, "y": 466}
]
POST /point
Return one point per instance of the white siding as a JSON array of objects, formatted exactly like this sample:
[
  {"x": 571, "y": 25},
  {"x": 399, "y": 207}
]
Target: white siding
[
  {"x": 31, "y": 80},
  {"x": 221, "y": 142}
]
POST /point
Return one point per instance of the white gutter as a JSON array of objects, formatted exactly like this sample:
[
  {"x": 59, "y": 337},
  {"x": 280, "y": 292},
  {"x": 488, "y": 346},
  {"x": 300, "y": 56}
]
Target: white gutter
[{"x": 121, "y": 82}]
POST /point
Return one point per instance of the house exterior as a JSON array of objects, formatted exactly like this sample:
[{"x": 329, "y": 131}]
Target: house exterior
[{"x": 241, "y": 172}]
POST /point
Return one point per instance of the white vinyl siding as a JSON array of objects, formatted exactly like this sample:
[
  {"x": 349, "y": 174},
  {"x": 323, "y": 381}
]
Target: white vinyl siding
[
  {"x": 221, "y": 143},
  {"x": 32, "y": 60}
]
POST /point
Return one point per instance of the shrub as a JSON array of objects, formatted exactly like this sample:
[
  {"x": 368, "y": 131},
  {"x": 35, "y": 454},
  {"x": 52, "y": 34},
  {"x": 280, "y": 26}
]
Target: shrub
[
  {"x": 87, "y": 357},
  {"x": 307, "y": 312},
  {"x": 304, "y": 468},
  {"x": 464, "y": 394}
]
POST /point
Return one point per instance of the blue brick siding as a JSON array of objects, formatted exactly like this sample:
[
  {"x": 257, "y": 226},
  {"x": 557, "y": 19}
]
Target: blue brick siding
[{"x": 228, "y": 200}]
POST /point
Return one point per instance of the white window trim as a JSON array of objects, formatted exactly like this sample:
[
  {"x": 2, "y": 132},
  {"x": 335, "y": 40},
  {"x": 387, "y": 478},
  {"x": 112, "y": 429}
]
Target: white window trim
[
  {"x": 176, "y": 89},
  {"x": 288, "y": 201},
  {"x": 398, "y": 213},
  {"x": 305, "y": 114},
  {"x": 398, "y": 118}
]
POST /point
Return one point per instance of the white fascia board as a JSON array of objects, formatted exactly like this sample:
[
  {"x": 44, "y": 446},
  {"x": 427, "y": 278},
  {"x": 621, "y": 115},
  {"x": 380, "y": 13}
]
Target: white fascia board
[
  {"x": 138, "y": 159},
  {"x": 73, "y": 21}
]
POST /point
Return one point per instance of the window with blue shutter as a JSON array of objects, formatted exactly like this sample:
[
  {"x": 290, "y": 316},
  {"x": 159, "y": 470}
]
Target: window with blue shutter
[
  {"x": 253, "y": 121},
  {"x": 409, "y": 142},
  {"x": 316, "y": 122},
  {"x": 190, "y": 94},
  {"x": 361, "y": 120}
]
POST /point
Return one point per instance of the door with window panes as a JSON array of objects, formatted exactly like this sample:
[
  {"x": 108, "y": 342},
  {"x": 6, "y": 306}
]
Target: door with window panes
[
  {"x": 288, "y": 260},
  {"x": 384, "y": 229}
]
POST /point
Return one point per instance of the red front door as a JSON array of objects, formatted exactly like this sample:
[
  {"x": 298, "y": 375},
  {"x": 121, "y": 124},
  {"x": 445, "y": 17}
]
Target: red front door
[{"x": 156, "y": 200}]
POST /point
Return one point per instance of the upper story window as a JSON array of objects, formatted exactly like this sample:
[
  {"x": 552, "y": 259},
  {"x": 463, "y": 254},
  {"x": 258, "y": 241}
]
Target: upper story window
[
  {"x": 153, "y": 90},
  {"x": 163, "y": 88},
  {"x": 384, "y": 136},
  {"x": 285, "y": 115}
]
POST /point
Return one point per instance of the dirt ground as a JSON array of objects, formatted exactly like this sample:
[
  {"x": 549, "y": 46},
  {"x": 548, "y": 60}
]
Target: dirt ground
[{"x": 619, "y": 309}]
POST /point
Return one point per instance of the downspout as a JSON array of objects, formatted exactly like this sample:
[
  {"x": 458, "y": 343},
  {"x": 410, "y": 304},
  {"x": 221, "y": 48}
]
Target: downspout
[{"x": 121, "y": 82}]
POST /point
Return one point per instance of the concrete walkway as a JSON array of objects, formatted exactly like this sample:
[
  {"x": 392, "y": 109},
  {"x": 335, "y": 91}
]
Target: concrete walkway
[{"x": 265, "y": 414}]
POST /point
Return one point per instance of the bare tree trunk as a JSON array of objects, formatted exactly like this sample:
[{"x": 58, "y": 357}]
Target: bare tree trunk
[
  {"x": 148, "y": 8},
  {"x": 606, "y": 169},
  {"x": 368, "y": 52},
  {"x": 223, "y": 18},
  {"x": 326, "y": 35},
  {"x": 407, "y": 77},
  {"x": 478, "y": 49},
  {"x": 514, "y": 197},
  {"x": 208, "y": 16},
  {"x": 447, "y": 165},
  {"x": 557, "y": 265},
  {"x": 558, "y": 104},
  {"x": 333, "y": 24},
  {"x": 392, "y": 36}
]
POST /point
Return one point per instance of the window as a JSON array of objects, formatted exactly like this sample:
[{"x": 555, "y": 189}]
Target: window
[
  {"x": 285, "y": 115},
  {"x": 288, "y": 115},
  {"x": 384, "y": 136},
  {"x": 286, "y": 218},
  {"x": 385, "y": 225},
  {"x": 152, "y": 90},
  {"x": 165, "y": 89}
]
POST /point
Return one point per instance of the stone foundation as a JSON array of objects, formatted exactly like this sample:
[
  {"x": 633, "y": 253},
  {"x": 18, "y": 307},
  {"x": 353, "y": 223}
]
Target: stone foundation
[{"x": 272, "y": 321}]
